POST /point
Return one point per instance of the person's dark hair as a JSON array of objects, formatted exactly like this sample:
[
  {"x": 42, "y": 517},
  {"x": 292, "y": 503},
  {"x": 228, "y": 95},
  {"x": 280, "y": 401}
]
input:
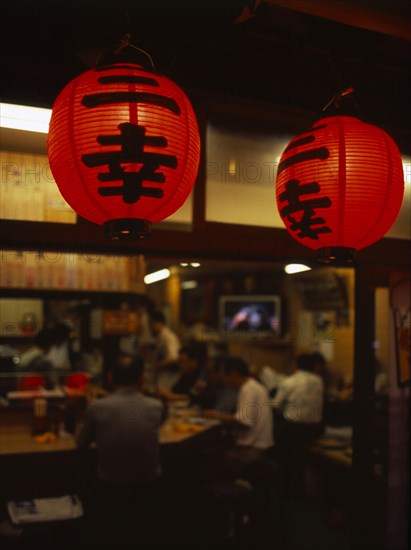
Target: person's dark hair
[
  {"x": 127, "y": 370},
  {"x": 44, "y": 339},
  {"x": 318, "y": 358},
  {"x": 193, "y": 351},
  {"x": 236, "y": 364},
  {"x": 305, "y": 362},
  {"x": 217, "y": 364},
  {"x": 61, "y": 331},
  {"x": 158, "y": 316}
]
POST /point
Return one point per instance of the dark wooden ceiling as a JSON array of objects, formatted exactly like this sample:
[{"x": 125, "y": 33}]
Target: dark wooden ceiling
[{"x": 277, "y": 55}]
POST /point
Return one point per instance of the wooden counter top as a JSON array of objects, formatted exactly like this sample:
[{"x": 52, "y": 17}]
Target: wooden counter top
[
  {"x": 16, "y": 436},
  {"x": 340, "y": 456}
]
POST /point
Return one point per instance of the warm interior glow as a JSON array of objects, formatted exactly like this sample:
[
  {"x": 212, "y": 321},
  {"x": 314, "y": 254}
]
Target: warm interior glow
[
  {"x": 232, "y": 170},
  {"x": 156, "y": 276},
  {"x": 23, "y": 117},
  {"x": 296, "y": 268}
]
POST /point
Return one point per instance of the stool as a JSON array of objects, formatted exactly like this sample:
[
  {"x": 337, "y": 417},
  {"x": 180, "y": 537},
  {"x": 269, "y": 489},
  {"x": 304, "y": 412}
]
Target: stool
[
  {"x": 231, "y": 504},
  {"x": 264, "y": 476}
]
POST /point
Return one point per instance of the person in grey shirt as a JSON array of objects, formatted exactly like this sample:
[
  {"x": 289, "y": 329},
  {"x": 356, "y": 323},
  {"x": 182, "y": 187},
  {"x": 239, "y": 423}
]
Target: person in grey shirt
[{"x": 125, "y": 427}]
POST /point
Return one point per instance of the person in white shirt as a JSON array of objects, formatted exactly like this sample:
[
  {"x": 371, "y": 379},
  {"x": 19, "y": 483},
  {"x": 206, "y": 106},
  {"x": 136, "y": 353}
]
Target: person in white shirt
[
  {"x": 59, "y": 353},
  {"x": 252, "y": 421},
  {"x": 166, "y": 353},
  {"x": 300, "y": 395},
  {"x": 35, "y": 359},
  {"x": 299, "y": 412},
  {"x": 271, "y": 379}
]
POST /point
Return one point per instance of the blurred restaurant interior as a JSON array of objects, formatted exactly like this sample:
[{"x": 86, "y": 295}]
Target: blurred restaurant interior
[{"x": 257, "y": 73}]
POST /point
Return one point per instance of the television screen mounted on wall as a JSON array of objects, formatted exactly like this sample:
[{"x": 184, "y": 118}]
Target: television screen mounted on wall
[{"x": 257, "y": 315}]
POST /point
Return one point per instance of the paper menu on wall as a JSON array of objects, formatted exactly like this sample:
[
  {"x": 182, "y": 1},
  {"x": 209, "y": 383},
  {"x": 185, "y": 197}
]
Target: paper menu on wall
[{"x": 45, "y": 509}]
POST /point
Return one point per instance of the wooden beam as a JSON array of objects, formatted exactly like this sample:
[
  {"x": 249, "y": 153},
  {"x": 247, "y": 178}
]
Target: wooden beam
[
  {"x": 214, "y": 241},
  {"x": 373, "y": 16}
]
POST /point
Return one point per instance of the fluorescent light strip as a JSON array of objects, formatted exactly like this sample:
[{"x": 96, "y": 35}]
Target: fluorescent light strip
[
  {"x": 406, "y": 164},
  {"x": 156, "y": 276},
  {"x": 296, "y": 268},
  {"x": 23, "y": 117}
]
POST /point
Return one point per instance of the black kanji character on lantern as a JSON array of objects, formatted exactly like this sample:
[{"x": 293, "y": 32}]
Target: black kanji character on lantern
[
  {"x": 305, "y": 222},
  {"x": 132, "y": 140}
]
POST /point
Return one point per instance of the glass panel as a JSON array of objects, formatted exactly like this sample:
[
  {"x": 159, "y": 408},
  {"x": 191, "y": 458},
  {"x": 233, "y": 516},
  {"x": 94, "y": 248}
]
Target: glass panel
[
  {"x": 240, "y": 170},
  {"x": 181, "y": 220},
  {"x": 28, "y": 190}
]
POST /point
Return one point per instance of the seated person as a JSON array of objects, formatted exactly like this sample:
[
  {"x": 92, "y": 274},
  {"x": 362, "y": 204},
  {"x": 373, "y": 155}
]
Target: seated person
[
  {"x": 299, "y": 413},
  {"x": 271, "y": 379},
  {"x": 60, "y": 353},
  {"x": 191, "y": 379},
  {"x": 164, "y": 357},
  {"x": 299, "y": 399},
  {"x": 92, "y": 362},
  {"x": 125, "y": 427},
  {"x": 251, "y": 422},
  {"x": 216, "y": 394}
]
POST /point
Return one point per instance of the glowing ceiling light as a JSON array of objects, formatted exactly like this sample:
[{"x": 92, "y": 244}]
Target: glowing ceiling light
[
  {"x": 296, "y": 268},
  {"x": 156, "y": 276},
  {"x": 188, "y": 285},
  {"x": 195, "y": 264},
  {"x": 23, "y": 117}
]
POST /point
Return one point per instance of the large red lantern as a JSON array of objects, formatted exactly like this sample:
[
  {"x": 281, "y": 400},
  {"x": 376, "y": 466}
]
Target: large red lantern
[
  {"x": 123, "y": 147},
  {"x": 340, "y": 186}
]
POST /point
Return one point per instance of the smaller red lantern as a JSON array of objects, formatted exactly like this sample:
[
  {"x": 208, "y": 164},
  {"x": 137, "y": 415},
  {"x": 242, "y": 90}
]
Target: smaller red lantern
[
  {"x": 340, "y": 186},
  {"x": 123, "y": 147}
]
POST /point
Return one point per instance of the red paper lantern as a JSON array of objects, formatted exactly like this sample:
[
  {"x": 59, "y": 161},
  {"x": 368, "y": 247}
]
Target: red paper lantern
[
  {"x": 340, "y": 186},
  {"x": 123, "y": 147}
]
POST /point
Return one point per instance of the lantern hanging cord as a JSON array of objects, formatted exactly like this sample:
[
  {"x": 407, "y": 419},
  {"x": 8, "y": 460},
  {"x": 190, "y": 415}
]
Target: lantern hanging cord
[
  {"x": 125, "y": 43},
  {"x": 337, "y": 97}
]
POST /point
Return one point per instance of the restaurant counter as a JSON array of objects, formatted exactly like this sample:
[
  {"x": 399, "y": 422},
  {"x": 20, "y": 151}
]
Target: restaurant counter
[
  {"x": 31, "y": 469},
  {"x": 16, "y": 433},
  {"x": 329, "y": 461}
]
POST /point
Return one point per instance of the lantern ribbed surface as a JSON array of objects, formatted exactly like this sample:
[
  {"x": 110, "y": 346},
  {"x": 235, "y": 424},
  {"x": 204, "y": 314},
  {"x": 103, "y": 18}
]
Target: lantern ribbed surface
[
  {"x": 123, "y": 143},
  {"x": 340, "y": 184}
]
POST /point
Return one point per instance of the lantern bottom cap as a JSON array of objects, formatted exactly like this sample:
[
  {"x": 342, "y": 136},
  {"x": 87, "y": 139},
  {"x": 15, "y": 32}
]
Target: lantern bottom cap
[
  {"x": 127, "y": 229},
  {"x": 336, "y": 255}
]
